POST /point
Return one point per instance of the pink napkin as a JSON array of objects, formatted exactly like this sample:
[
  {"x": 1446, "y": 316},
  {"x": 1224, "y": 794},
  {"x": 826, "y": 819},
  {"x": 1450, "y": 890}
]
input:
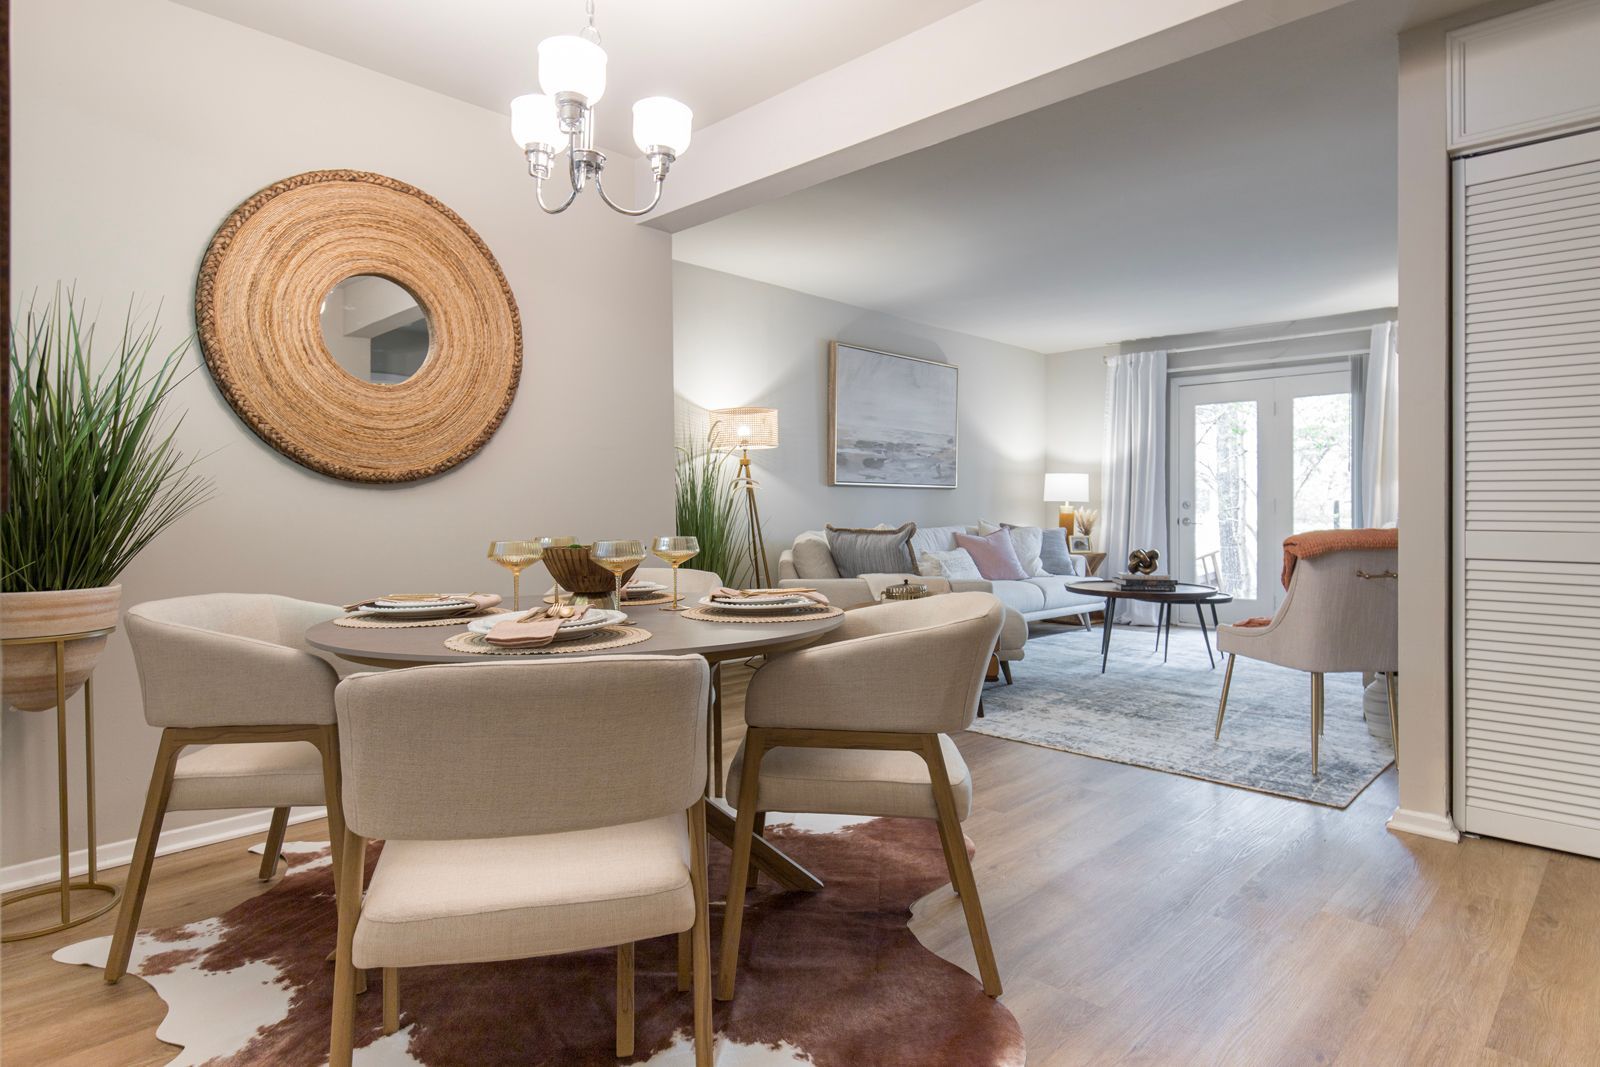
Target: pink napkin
[
  {"x": 533, "y": 630},
  {"x": 758, "y": 595}
]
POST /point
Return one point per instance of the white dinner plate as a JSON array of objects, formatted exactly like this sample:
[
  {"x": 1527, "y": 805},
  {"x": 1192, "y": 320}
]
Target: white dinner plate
[
  {"x": 593, "y": 620},
  {"x": 417, "y": 611},
  {"x": 755, "y": 606}
]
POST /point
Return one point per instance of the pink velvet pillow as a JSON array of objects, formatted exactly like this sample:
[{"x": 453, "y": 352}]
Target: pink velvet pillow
[{"x": 995, "y": 556}]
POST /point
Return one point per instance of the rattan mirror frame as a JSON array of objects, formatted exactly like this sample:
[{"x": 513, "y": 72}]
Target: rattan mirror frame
[{"x": 257, "y": 303}]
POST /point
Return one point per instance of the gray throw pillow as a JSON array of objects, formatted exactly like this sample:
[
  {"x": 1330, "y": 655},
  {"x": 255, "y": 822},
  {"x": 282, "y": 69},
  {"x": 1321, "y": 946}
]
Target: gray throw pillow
[
  {"x": 1053, "y": 551},
  {"x": 858, "y": 552}
]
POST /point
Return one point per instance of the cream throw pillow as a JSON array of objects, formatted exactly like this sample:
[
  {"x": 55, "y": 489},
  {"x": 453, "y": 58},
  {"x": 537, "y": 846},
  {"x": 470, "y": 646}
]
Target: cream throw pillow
[
  {"x": 1027, "y": 540},
  {"x": 957, "y": 565}
]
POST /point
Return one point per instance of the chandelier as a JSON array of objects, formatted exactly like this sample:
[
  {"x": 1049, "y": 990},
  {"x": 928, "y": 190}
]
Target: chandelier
[{"x": 572, "y": 75}]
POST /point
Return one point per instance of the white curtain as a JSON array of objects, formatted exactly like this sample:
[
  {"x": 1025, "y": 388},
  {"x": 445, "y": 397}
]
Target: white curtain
[
  {"x": 1134, "y": 468},
  {"x": 1376, "y": 382}
]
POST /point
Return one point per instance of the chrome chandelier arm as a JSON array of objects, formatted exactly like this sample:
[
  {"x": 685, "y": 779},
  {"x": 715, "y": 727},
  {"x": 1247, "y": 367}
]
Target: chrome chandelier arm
[
  {"x": 599, "y": 184},
  {"x": 538, "y": 194}
]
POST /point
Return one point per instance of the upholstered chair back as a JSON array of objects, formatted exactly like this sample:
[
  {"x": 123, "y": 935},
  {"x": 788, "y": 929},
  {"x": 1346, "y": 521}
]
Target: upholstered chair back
[
  {"x": 913, "y": 666},
  {"x": 1332, "y": 619},
  {"x": 231, "y": 659},
  {"x": 692, "y": 584},
  {"x": 515, "y": 749}
]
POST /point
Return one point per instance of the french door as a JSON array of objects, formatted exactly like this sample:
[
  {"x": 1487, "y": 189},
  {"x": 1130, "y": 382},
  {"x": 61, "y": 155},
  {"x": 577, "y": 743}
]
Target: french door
[{"x": 1254, "y": 459}]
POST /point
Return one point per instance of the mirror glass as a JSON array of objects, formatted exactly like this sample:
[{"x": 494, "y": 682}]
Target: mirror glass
[{"x": 375, "y": 329}]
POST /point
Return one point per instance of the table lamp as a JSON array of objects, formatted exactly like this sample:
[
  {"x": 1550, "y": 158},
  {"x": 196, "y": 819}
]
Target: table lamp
[
  {"x": 1067, "y": 490},
  {"x": 745, "y": 429}
]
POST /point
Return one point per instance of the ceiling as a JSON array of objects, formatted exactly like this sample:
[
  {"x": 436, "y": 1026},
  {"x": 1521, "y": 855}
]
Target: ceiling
[
  {"x": 1251, "y": 184},
  {"x": 717, "y": 56}
]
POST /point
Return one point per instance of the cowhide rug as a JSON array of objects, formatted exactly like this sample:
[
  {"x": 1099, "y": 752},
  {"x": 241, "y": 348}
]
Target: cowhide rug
[{"x": 828, "y": 978}]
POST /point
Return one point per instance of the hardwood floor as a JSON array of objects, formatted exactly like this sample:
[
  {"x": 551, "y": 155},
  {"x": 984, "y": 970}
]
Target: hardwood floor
[{"x": 1138, "y": 917}]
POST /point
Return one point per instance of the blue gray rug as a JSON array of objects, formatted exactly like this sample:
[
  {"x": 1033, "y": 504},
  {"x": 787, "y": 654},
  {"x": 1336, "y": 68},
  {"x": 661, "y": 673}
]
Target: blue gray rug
[{"x": 1161, "y": 715}]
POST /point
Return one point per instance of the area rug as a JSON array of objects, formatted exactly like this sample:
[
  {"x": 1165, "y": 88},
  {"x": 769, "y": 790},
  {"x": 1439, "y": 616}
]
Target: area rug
[
  {"x": 828, "y": 978},
  {"x": 1162, "y": 715}
]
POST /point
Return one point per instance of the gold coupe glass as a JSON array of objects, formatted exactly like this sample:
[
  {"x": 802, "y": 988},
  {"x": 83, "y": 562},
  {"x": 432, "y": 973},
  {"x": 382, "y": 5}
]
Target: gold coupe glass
[
  {"x": 514, "y": 556},
  {"x": 677, "y": 551},
  {"x": 618, "y": 557}
]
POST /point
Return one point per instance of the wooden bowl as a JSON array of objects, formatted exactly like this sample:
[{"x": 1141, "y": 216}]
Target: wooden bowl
[{"x": 576, "y": 572}]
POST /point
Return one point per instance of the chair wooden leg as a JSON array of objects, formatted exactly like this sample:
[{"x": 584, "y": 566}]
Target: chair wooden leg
[
  {"x": 759, "y": 829},
  {"x": 755, "y": 747},
  {"x": 327, "y": 742},
  {"x": 144, "y": 853},
  {"x": 1394, "y": 718},
  {"x": 274, "y": 850},
  {"x": 716, "y": 729},
  {"x": 1316, "y": 718},
  {"x": 391, "y": 999},
  {"x": 704, "y": 1039},
  {"x": 625, "y": 1000},
  {"x": 1222, "y": 704},
  {"x": 960, "y": 866},
  {"x": 341, "y": 1043},
  {"x": 685, "y": 961},
  {"x": 1005, "y": 669}
]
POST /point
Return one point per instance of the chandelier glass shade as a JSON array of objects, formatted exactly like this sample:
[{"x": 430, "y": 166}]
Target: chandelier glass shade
[{"x": 561, "y": 118}]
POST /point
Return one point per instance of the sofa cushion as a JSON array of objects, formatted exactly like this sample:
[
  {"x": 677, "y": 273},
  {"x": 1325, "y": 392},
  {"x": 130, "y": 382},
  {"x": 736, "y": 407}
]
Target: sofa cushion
[
  {"x": 858, "y": 552},
  {"x": 1025, "y": 539},
  {"x": 812, "y": 557},
  {"x": 1053, "y": 552},
  {"x": 995, "y": 556},
  {"x": 1019, "y": 596},
  {"x": 956, "y": 563},
  {"x": 1053, "y": 589},
  {"x": 937, "y": 538}
]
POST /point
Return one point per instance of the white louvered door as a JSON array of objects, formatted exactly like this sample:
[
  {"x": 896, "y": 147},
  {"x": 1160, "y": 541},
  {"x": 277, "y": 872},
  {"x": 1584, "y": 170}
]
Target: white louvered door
[{"x": 1527, "y": 549}]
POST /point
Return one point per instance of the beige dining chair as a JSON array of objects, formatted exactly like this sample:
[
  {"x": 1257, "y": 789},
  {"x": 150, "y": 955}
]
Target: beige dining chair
[
  {"x": 859, "y": 724},
  {"x": 1340, "y": 614},
  {"x": 526, "y": 810},
  {"x": 692, "y": 584},
  {"x": 230, "y": 671}
]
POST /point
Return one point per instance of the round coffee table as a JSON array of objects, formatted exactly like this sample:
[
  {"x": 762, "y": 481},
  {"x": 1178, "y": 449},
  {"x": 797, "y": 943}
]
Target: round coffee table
[{"x": 1185, "y": 593}]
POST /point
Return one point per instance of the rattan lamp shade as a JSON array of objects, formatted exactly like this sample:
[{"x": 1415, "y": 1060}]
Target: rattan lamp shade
[{"x": 744, "y": 428}]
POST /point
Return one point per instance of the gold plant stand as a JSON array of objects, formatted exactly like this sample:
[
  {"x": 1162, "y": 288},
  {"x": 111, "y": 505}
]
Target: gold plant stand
[{"x": 65, "y": 886}]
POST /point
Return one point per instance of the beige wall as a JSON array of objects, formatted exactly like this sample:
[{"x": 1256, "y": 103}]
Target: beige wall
[
  {"x": 137, "y": 126},
  {"x": 741, "y": 342},
  {"x": 1075, "y": 414}
]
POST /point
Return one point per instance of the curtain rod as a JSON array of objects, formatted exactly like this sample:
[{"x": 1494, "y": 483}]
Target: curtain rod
[{"x": 1132, "y": 346}]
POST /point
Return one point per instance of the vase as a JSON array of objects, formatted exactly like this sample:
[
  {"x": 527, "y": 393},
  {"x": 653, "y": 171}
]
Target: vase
[{"x": 29, "y": 678}]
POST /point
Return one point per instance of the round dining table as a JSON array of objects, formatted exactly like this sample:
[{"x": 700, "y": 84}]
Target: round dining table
[{"x": 670, "y": 635}]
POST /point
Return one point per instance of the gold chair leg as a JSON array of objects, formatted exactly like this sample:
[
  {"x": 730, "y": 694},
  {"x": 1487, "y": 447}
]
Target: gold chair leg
[
  {"x": 625, "y": 1000},
  {"x": 274, "y": 850},
  {"x": 1316, "y": 719},
  {"x": 704, "y": 1039},
  {"x": 144, "y": 854},
  {"x": 960, "y": 866},
  {"x": 391, "y": 999},
  {"x": 341, "y": 1042},
  {"x": 755, "y": 746},
  {"x": 1394, "y": 718},
  {"x": 1222, "y": 704}
]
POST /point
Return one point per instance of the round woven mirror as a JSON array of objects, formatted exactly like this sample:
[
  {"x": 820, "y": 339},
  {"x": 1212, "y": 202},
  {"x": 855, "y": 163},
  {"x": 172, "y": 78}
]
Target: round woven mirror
[{"x": 359, "y": 326}]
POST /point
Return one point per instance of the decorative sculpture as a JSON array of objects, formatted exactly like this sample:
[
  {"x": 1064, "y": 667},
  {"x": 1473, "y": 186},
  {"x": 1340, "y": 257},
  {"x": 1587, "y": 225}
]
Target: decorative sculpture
[{"x": 1143, "y": 560}]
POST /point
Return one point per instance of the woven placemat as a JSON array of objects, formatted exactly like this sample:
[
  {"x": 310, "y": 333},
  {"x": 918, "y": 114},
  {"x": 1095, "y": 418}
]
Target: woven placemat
[
  {"x": 367, "y": 622},
  {"x": 711, "y": 615},
  {"x": 604, "y": 638}
]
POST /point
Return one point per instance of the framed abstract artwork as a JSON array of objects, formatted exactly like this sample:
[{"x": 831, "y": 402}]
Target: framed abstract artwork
[{"x": 891, "y": 420}]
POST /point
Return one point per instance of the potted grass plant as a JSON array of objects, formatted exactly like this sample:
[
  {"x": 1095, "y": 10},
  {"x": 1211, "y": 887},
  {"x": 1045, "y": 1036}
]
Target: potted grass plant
[
  {"x": 708, "y": 509},
  {"x": 94, "y": 475}
]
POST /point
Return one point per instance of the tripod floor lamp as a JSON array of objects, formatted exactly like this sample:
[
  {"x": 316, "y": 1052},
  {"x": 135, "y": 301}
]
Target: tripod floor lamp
[{"x": 747, "y": 429}]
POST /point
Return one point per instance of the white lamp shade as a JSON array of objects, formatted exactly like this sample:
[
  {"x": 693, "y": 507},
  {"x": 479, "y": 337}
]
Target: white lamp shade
[
  {"x": 744, "y": 428},
  {"x": 662, "y": 122},
  {"x": 572, "y": 65},
  {"x": 533, "y": 121},
  {"x": 1066, "y": 488}
]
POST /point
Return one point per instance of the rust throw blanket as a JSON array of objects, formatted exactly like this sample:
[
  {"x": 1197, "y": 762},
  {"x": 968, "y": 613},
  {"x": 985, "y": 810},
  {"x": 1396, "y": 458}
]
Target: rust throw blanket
[{"x": 1314, "y": 543}]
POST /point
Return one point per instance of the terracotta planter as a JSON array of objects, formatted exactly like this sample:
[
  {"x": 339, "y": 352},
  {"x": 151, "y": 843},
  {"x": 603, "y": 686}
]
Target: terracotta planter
[{"x": 29, "y": 682}]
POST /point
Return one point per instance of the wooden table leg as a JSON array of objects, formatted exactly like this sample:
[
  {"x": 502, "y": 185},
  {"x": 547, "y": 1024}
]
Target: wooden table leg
[{"x": 772, "y": 861}]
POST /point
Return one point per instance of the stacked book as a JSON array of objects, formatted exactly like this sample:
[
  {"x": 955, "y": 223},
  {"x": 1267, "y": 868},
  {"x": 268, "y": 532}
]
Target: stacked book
[{"x": 1146, "y": 583}]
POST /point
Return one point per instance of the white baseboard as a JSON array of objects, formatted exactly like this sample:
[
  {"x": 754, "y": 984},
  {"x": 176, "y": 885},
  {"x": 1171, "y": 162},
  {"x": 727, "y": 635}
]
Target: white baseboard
[
  {"x": 1424, "y": 824},
  {"x": 120, "y": 853}
]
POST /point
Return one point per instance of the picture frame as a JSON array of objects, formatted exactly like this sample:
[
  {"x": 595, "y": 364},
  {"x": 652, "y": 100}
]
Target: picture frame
[
  {"x": 893, "y": 420},
  {"x": 1079, "y": 543}
]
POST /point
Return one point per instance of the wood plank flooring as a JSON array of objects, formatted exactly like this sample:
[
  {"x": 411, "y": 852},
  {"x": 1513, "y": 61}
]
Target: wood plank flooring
[{"x": 1139, "y": 918}]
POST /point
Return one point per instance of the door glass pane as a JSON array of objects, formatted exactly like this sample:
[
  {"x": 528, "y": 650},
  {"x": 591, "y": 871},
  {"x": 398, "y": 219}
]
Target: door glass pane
[
  {"x": 1322, "y": 498},
  {"x": 1225, "y": 496}
]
